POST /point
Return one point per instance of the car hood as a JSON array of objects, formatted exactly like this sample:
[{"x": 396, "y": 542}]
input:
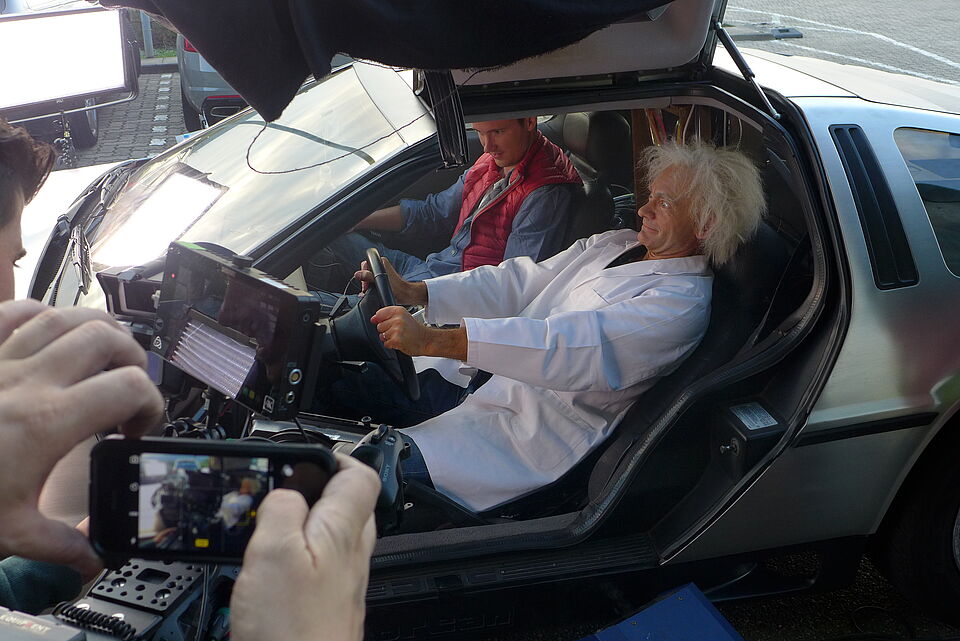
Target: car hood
[
  {"x": 839, "y": 79},
  {"x": 265, "y": 50},
  {"x": 39, "y": 217}
]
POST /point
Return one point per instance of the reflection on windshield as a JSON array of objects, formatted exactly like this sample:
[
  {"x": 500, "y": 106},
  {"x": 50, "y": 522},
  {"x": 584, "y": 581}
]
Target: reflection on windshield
[
  {"x": 159, "y": 218},
  {"x": 316, "y": 139},
  {"x": 331, "y": 133}
]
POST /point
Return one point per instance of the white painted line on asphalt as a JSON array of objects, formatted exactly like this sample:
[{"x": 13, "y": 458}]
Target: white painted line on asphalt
[
  {"x": 166, "y": 75},
  {"x": 164, "y": 82},
  {"x": 158, "y": 142},
  {"x": 160, "y": 129},
  {"x": 160, "y": 105},
  {"x": 872, "y": 63},
  {"x": 163, "y": 97},
  {"x": 160, "y": 117},
  {"x": 878, "y": 36},
  {"x": 163, "y": 88}
]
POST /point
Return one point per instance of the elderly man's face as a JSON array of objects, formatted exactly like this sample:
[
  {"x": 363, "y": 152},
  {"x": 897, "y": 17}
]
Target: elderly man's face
[
  {"x": 506, "y": 140},
  {"x": 667, "y": 227}
]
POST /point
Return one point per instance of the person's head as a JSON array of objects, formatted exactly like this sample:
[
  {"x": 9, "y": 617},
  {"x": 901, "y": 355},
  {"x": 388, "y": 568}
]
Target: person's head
[
  {"x": 24, "y": 165},
  {"x": 703, "y": 200},
  {"x": 249, "y": 486},
  {"x": 507, "y": 140}
]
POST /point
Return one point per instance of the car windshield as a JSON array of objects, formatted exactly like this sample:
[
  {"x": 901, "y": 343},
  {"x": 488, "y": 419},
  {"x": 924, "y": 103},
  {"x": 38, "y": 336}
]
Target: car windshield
[{"x": 243, "y": 181}]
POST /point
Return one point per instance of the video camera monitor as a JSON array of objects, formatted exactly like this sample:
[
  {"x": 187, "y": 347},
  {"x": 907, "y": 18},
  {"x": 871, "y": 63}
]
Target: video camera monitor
[{"x": 237, "y": 329}]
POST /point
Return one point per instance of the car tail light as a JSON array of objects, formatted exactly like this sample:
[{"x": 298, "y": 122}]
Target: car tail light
[{"x": 189, "y": 47}]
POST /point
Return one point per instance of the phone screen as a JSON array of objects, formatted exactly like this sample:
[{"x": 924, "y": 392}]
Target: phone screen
[
  {"x": 199, "y": 502},
  {"x": 185, "y": 499}
]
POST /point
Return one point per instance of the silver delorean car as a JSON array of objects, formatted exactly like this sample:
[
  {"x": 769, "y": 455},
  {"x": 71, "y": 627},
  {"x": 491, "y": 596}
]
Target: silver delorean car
[{"x": 817, "y": 415}]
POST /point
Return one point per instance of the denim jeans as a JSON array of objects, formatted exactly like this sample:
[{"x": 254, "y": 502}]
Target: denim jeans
[
  {"x": 334, "y": 265},
  {"x": 373, "y": 393}
]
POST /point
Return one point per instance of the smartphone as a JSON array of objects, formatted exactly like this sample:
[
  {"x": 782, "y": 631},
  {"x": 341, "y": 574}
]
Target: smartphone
[{"x": 190, "y": 500}]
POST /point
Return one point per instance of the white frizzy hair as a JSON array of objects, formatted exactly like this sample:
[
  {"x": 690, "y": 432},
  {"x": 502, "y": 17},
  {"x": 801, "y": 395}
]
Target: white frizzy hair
[{"x": 722, "y": 189}]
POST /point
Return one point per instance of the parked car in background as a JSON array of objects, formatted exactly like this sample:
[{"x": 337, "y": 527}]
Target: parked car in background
[
  {"x": 206, "y": 97},
  {"x": 818, "y": 414},
  {"x": 84, "y": 126}
]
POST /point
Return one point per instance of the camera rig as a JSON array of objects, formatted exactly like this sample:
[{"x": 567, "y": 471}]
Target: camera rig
[{"x": 257, "y": 343}]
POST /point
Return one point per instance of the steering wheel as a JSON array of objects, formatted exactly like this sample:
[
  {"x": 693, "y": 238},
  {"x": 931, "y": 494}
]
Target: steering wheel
[{"x": 358, "y": 339}]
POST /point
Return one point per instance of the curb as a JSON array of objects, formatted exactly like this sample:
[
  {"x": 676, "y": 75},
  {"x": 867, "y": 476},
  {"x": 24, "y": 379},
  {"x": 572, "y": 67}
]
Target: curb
[{"x": 158, "y": 65}]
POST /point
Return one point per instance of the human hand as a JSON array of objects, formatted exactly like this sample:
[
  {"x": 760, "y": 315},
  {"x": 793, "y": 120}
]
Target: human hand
[
  {"x": 365, "y": 276},
  {"x": 404, "y": 292},
  {"x": 90, "y": 572},
  {"x": 309, "y": 568},
  {"x": 399, "y": 330},
  {"x": 65, "y": 374}
]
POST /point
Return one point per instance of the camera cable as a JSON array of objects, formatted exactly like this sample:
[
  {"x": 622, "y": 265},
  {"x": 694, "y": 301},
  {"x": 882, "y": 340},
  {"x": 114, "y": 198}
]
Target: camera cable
[
  {"x": 303, "y": 433},
  {"x": 204, "y": 595}
]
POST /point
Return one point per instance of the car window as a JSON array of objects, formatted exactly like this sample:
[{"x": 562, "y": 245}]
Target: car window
[
  {"x": 241, "y": 182},
  {"x": 933, "y": 158}
]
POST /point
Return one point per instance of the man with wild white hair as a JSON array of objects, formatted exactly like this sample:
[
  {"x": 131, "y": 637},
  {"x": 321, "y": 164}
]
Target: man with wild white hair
[{"x": 573, "y": 341}]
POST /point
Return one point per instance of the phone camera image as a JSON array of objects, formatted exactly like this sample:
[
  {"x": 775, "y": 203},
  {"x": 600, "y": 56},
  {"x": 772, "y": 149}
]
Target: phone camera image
[{"x": 198, "y": 502}]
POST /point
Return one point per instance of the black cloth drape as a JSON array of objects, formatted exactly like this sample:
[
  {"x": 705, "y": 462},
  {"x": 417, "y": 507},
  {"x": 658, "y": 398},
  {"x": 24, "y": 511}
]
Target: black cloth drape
[{"x": 266, "y": 48}]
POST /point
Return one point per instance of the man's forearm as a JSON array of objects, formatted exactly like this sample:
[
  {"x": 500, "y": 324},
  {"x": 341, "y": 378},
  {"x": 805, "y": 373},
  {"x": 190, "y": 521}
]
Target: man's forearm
[
  {"x": 389, "y": 219},
  {"x": 407, "y": 293},
  {"x": 447, "y": 343}
]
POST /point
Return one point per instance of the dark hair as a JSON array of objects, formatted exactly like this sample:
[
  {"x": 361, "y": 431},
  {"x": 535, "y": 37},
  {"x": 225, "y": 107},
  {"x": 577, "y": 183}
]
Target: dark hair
[{"x": 24, "y": 163}]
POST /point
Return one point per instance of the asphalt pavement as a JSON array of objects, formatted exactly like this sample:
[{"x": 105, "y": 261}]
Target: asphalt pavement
[{"x": 918, "y": 37}]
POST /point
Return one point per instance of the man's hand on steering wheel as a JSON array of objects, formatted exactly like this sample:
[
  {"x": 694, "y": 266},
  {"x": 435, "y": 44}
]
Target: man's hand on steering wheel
[
  {"x": 404, "y": 292},
  {"x": 399, "y": 330}
]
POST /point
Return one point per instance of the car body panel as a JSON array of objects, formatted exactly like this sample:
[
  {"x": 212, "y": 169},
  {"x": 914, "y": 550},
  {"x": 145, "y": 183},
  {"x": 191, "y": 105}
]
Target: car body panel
[
  {"x": 894, "y": 367},
  {"x": 59, "y": 191},
  {"x": 891, "y": 327},
  {"x": 785, "y": 80},
  {"x": 874, "y": 85}
]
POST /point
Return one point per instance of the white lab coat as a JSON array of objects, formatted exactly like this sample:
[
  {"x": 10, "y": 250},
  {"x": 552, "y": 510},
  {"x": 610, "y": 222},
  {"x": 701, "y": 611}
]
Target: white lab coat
[{"x": 571, "y": 345}]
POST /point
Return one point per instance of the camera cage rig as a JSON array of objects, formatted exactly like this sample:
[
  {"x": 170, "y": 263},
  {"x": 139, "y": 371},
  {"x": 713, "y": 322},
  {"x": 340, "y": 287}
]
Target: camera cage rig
[
  {"x": 265, "y": 345},
  {"x": 284, "y": 348}
]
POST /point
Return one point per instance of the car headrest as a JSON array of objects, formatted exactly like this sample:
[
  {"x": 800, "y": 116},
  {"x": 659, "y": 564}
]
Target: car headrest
[
  {"x": 748, "y": 280},
  {"x": 602, "y": 140}
]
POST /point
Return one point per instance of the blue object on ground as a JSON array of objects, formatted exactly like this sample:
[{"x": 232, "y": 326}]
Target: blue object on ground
[{"x": 684, "y": 615}]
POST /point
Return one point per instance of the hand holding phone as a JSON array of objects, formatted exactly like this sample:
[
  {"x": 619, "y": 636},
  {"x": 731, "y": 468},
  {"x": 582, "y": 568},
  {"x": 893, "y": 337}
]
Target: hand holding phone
[
  {"x": 181, "y": 499},
  {"x": 310, "y": 566},
  {"x": 65, "y": 374}
]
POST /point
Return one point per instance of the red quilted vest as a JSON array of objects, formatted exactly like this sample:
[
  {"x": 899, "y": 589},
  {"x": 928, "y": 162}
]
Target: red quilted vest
[{"x": 543, "y": 164}]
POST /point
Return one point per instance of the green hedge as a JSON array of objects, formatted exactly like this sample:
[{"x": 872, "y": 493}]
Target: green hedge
[{"x": 163, "y": 37}]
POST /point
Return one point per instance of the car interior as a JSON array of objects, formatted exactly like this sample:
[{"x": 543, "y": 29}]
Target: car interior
[{"x": 699, "y": 433}]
